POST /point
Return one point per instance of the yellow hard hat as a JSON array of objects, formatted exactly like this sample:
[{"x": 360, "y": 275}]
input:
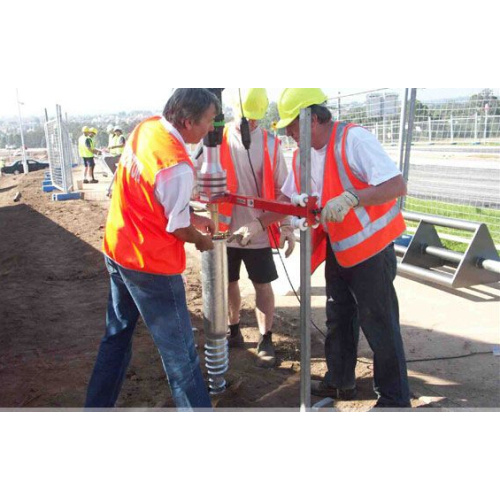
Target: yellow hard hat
[
  {"x": 255, "y": 104},
  {"x": 94, "y": 130},
  {"x": 292, "y": 101},
  {"x": 85, "y": 130}
]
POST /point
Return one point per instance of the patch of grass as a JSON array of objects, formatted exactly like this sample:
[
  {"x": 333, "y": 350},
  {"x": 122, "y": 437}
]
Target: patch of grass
[{"x": 487, "y": 216}]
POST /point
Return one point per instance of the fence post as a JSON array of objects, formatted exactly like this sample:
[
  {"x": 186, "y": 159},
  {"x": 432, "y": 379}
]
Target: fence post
[
  {"x": 452, "y": 132},
  {"x": 430, "y": 129},
  {"x": 486, "y": 108},
  {"x": 409, "y": 138},
  {"x": 402, "y": 130}
]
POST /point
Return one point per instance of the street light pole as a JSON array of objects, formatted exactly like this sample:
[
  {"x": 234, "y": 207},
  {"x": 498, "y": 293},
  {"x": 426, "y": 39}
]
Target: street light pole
[{"x": 25, "y": 163}]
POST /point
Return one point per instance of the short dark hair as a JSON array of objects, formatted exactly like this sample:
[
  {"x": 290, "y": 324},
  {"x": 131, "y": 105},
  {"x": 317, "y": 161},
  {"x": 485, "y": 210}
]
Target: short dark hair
[
  {"x": 322, "y": 112},
  {"x": 189, "y": 104}
]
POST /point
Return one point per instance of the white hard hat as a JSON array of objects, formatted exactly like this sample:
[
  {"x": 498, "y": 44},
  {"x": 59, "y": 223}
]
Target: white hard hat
[{"x": 117, "y": 128}]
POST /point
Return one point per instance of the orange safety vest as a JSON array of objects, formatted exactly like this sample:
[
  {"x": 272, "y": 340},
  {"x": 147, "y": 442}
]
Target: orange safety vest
[
  {"x": 226, "y": 209},
  {"x": 136, "y": 236},
  {"x": 365, "y": 231}
]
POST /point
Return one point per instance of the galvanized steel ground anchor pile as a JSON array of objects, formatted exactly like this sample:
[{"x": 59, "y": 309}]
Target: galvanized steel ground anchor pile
[{"x": 212, "y": 184}]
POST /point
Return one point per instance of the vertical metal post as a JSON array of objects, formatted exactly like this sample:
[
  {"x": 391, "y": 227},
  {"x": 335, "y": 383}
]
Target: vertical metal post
[
  {"x": 402, "y": 130},
  {"x": 409, "y": 139},
  {"x": 338, "y": 111},
  {"x": 430, "y": 129},
  {"x": 452, "y": 132},
  {"x": 476, "y": 129},
  {"x": 61, "y": 146},
  {"x": 25, "y": 163},
  {"x": 486, "y": 109},
  {"x": 305, "y": 267}
]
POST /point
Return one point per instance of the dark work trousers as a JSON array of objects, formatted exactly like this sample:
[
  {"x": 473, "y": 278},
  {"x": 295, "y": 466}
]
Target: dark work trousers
[{"x": 364, "y": 295}]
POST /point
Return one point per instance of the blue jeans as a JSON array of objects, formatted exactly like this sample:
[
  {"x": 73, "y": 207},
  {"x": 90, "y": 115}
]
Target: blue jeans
[
  {"x": 364, "y": 295},
  {"x": 161, "y": 301}
]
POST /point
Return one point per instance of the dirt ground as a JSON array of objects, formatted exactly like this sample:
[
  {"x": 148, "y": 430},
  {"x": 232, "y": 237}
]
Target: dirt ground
[{"x": 53, "y": 296}]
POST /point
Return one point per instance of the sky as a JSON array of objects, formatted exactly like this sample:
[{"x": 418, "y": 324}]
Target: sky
[
  {"x": 111, "y": 56},
  {"x": 80, "y": 100}
]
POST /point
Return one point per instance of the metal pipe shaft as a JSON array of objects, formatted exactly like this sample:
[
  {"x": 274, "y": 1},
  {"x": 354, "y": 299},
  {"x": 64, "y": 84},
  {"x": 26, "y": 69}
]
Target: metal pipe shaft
[
  {"x": 305, "y": 267},
  {"x": 215, "y": 311},
  {"x": 442, "y": 221}
]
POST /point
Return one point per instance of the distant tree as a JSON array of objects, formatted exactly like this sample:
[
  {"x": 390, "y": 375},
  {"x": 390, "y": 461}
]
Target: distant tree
[
  {"x": 484, "y": 98},
  {"x": 272, "y": 117},
  {"x": 421, "y": 110}
]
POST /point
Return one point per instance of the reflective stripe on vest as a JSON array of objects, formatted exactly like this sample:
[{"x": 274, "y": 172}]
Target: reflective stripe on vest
[
  {"x": 271, "y": 143},
  {"x": 136, "y": 236},
  {"x": 83, "y": 150}
]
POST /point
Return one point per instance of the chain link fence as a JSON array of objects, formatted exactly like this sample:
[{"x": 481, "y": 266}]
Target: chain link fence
[{"x": 455, "y": 158}]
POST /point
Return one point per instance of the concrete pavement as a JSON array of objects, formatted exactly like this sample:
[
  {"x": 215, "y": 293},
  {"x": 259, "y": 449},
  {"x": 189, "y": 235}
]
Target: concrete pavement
[{"x": 437, "y": 322}]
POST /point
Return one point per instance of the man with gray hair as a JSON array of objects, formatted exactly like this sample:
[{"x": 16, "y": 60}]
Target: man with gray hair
[
  {"x": 358, "y": 186},
  {"x": 148, "y": 224}
]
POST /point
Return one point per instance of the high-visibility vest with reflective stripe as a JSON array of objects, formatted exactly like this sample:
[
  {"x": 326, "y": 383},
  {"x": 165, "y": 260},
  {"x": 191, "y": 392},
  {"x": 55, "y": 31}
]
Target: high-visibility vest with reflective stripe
[
  {"x": 271, "y": 143},
  {"x": 365, "y": 231},
  {"x": 116, "y": 142},
  {"x": 136, "y": 236},
  {"x": 83, "y": 150}
]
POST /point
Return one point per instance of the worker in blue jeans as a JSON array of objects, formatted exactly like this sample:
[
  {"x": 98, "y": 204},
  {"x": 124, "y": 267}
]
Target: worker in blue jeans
[
  {"x": 161, "y": 301},
  {"x": 149, "y": 222}
]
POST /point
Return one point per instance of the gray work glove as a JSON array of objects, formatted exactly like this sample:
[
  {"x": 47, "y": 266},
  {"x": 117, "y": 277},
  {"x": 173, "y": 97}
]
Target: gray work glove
[
  {"x": 337, "y": 208},
  {"x": 245, "y": 233}
]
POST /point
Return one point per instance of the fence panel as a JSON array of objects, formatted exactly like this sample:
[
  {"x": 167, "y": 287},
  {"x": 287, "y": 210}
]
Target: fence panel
[
  {"x": 60, "y": 152},
  {"x": 455, "y": 158}
]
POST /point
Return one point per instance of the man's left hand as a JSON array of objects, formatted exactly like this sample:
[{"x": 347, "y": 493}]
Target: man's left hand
[
  {"x": 337, "y": 208},
  {"x": 203, "y": 224}
]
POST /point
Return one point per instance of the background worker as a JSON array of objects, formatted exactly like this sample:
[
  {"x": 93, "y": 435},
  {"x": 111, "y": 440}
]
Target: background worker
[
  {"x": 117, "y": 143},
  {"x": 359, "y": 185},
  {"x": 251, "y": 229},
  {"x": 109, "y": 131},
  {"x": 148, "y": 224},
  {"x": 116, "y": 146},
  {"x": 87, "y": 150}
]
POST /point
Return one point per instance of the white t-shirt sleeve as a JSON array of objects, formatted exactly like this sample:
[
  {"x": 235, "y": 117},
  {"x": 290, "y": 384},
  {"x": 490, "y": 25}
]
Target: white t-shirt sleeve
[
  {"x": 173, "y": 188},
  {"x": 289, "y": 187},
  {"x": 367, "y": 158}
]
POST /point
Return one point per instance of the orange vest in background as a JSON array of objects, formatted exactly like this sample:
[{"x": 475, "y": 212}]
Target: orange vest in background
[
  {"x": 365, "y": 231},
  {"x": 136, "y": 236},
  {"x": 268, "y": 186}
]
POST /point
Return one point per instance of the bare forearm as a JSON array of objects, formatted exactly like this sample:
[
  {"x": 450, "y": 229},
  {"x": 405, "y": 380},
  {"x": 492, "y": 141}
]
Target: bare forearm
[
  {"x": 269, "y": 218},
  {"x": 188, "y": 234},
  {"x": 377, "y": 195}
]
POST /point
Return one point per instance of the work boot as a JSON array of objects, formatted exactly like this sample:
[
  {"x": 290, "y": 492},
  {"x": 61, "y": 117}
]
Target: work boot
[
  {"x": 321, "y": 389},
  {"x": 265, "y": 351},
  {"x": 235, "y": 337}
]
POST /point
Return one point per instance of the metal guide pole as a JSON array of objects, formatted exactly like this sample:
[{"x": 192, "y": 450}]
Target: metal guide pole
[
  {"x": 305, "y": 267},
  {"x": 409, "y": 139},
  {"x": 402, "y": 130}
]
